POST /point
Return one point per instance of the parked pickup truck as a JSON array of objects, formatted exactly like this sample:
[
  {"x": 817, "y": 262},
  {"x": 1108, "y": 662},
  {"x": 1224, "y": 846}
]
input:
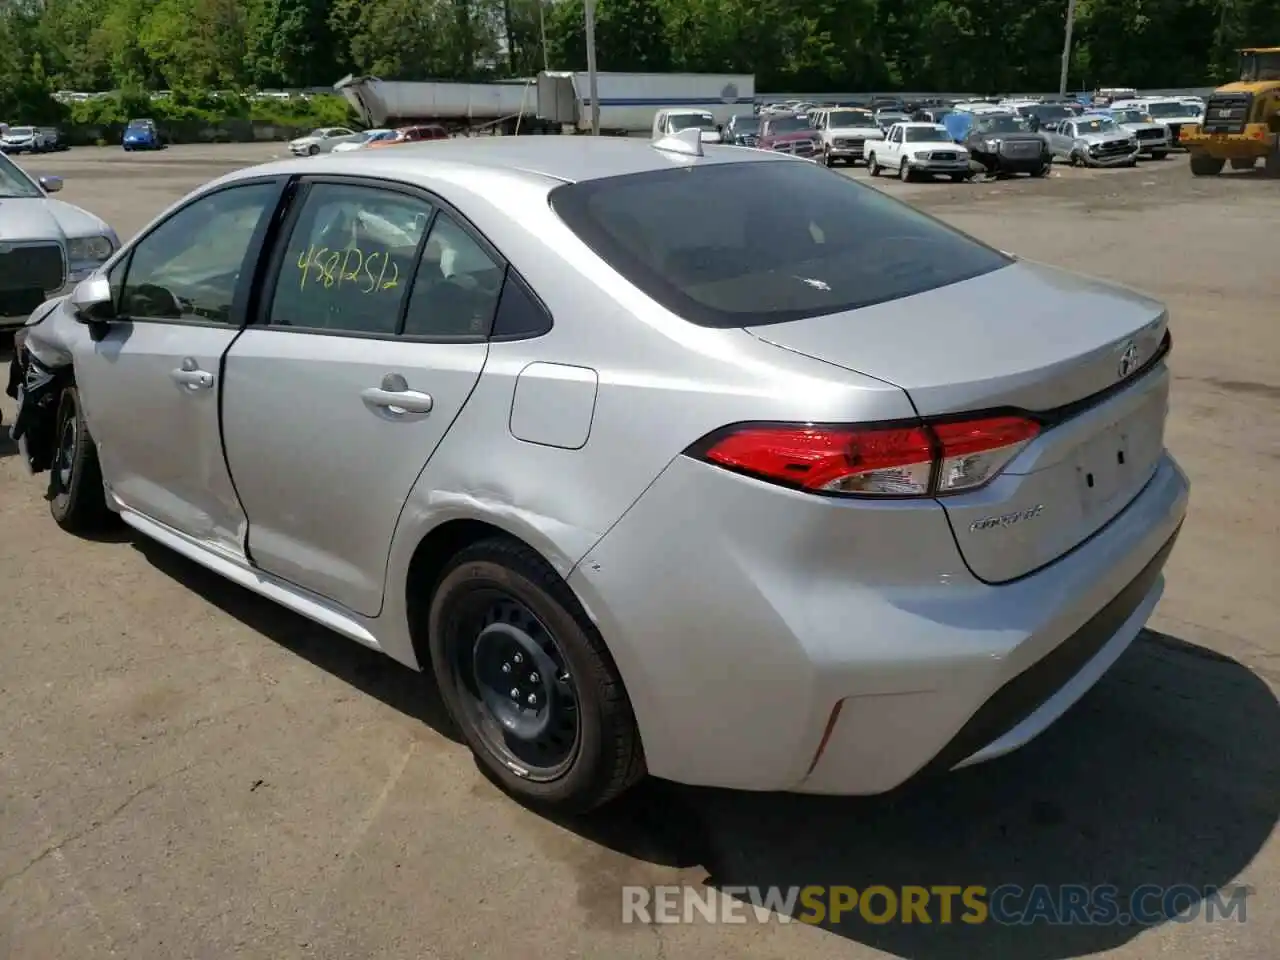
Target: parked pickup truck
[{"x": 914, "y": 150}]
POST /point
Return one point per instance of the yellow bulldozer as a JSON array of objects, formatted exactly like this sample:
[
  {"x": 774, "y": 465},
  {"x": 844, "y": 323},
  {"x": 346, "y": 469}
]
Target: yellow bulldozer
[{"x": 1241, "y": 123}]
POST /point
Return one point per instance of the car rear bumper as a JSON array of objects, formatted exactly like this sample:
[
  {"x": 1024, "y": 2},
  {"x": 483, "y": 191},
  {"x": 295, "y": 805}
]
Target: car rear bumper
[{"x": 772, "y": 640}]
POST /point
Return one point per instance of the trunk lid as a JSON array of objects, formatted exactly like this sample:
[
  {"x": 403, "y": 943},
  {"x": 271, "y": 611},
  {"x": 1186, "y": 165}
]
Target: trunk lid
[{"x": 1031, "y": 338}]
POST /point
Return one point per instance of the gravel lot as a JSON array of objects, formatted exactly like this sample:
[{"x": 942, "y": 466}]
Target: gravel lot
[{"x": 188, "y": 771}]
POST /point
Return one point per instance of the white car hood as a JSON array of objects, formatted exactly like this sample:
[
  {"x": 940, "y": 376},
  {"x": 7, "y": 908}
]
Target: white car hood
[
  {"x": 866, "y": 133},
  {"x": 43, "y": 218}
]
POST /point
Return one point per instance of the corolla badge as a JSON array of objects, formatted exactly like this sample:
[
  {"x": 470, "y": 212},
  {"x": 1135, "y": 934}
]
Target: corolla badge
[
  {"x": 1006, "y": 519},
  {"x": 1128, "y": 360}
]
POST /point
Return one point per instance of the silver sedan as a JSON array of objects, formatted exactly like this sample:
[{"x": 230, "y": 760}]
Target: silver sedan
[{"x": 699, "y": 461}]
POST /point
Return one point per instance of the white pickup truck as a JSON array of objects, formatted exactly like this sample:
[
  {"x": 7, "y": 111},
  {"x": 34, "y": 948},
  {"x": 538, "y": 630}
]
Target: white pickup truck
[{"x": 914, "y": 150}]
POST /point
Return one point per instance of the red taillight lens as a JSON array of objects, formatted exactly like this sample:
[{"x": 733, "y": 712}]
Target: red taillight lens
[{"x": 898, "y": 461}]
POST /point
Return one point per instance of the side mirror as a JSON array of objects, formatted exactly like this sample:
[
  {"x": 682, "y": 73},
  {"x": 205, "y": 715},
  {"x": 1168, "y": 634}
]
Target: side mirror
[
  {"x": 92, "y": 300},
  {"x": 51, "y": 184}
]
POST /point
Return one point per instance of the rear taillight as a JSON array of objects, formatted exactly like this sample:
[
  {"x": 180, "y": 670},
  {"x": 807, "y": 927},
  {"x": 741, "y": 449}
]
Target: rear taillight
[{"x": 913, "y": 460}]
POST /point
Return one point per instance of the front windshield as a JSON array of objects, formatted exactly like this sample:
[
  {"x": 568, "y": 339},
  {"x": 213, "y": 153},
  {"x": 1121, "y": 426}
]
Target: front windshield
[
  {"x": 13, "y": 182},
  {"x": 1096, "y": 125},
  {"x": 1049, "y": 114},
  {"x": 686, "y": 121},
  {"x": 139, "y": 125},
  {"x": 1131, "y": 116},
  {"x": 22, "y": 131},
  {"x": 850, "y": 118},
  {"x": 1260, "y": 65},
  {"x": 927, "y": 135},
  {"x": 318, "y": 132},
  {"x": 745, "y": 123},
  {"x": 788, "y": 124},
  {"x": 1168, "y": 109},
  {"x": 1002, "y": 124}
]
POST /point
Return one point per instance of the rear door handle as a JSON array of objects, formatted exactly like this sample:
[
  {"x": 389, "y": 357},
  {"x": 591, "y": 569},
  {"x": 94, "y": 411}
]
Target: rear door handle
[
  {"x": 397, "y": 402},
  {"x": 193, "y": 379}
]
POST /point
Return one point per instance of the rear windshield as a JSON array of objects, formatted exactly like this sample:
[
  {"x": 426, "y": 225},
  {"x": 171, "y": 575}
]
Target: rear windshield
[{"x": 746, "y": 244}]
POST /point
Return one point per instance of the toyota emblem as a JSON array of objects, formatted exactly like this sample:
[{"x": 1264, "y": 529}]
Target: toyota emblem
[{"x": 1128, "y": 359}]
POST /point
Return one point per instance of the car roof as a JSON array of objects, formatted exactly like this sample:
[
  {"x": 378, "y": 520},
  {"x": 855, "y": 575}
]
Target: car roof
[
  {"x": 569, "y": 159},
  {"x": 919, "y": 124}
]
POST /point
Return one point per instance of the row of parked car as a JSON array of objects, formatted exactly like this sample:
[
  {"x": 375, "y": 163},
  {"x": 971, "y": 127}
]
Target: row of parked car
[
  {"x": 344, "y": 139},
  {"x": 955, "y": 139}
]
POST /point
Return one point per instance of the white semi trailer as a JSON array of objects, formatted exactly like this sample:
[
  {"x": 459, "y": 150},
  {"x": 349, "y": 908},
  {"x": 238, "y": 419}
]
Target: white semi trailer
[{"x": 628, "y": 101}]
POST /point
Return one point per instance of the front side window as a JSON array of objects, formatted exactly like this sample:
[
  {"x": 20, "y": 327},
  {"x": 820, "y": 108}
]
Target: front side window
[
  {"x": 14, "y": 184},
  {"x": 744, "y": 244},
  {"x": 349, "y": 260},
  {"x": 188, "y": 268}
]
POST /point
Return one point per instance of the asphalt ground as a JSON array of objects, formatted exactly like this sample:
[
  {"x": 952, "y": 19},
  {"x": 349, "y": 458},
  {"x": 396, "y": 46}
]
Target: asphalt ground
[{"x": 189, "y": 771}]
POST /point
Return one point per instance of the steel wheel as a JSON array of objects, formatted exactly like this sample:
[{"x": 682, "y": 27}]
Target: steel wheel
[
  {"x": 64, "y": 455},
  {"x": 519, "y": 694}
]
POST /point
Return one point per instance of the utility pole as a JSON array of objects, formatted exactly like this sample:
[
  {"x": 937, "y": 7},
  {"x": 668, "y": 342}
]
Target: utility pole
[
  {"x": 542, "y": 27},
  {"x": 1066, "y": 48},
  {"x": 592, "y": 86}
]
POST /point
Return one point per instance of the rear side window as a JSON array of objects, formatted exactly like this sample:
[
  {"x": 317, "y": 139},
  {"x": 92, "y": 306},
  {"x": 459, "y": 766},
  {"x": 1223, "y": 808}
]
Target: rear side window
[{"x": 746, "y": 244}]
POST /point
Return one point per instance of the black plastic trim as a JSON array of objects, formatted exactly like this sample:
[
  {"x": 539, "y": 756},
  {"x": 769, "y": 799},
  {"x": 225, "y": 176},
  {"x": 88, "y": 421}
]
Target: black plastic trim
[{"x": 1026, "y": 693}]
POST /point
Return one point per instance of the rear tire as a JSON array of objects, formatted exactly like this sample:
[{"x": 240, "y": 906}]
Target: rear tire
[
  {"x": 1244, "y": 163},
  {"x": 1206, "y": 166},
  {"x": 527, "y": 678},
  {"x": 79, "y": 501}
]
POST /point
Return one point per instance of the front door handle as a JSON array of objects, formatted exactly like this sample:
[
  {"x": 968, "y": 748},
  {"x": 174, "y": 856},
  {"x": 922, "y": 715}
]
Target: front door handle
[
  {"x": 397, "y": 401},
  {"x": 193, "y": 379}
]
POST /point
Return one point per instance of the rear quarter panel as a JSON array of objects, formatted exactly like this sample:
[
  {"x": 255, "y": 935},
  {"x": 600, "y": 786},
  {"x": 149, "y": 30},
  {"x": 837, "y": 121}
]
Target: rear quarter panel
[{"x": 662, "y": 384}]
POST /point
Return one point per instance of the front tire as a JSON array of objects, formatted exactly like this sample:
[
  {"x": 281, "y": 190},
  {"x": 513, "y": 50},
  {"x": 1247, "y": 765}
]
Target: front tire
[
  {"x": 872, "y": 167},
  {"x": 79, "y": 501},
  {"x": 904, "y": 172},
  {"x": 1041, "y": 171},
  {"x": 1244, "y": 163},
  {"x": 312, "y": 150},
  {"x": 1206, "y": 166},
  {"x": 527, "y": 678},
  {"x": 1159, "y": 154}
]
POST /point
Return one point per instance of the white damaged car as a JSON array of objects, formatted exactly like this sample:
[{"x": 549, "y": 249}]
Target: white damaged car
[{"x": 46, "y": 245}]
